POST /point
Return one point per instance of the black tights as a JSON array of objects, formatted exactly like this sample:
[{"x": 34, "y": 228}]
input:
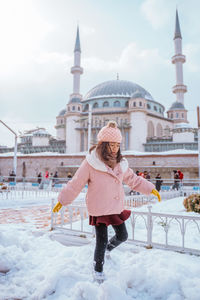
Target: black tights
[{"x": 102, "y": 243}]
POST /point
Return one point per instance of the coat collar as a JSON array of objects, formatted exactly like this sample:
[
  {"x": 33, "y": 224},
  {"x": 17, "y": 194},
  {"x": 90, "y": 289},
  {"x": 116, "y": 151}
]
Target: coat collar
[{"x": 94, "y": 161}]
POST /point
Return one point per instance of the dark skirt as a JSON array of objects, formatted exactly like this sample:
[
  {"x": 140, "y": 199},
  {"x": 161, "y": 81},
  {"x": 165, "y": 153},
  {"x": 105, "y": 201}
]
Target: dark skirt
[{"x": 110, "y": 219}]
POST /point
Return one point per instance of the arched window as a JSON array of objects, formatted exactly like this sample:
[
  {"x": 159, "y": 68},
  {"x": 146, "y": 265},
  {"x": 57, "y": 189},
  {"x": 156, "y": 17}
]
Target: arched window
[
  {"x": 159, "y": 130},
  {"x": 73, "y": 107},
  {"x": 86, "y": 107},
  {"x": 134, "y": 104},
  {"x": 171, "y": 116},
  {"x": 155, "y": 108},
  {"x": 79, "y": 108},
  {"x": 150, "y": 129},
  {"x": 117, "y": 104},
  {"x": 126, "y": 104},
  {"x": 176, "y": 115},
  {"x": 148, "y": 106},
  {"x": 105, "y": 104},
  {"x": 140, "y": 103},
  {"x": 95, "y": 105},
  {"x": 167, "y": 131}
]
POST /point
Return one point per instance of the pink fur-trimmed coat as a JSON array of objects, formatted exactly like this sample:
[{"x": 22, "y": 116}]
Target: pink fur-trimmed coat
[{"x": 105, "y": 195}]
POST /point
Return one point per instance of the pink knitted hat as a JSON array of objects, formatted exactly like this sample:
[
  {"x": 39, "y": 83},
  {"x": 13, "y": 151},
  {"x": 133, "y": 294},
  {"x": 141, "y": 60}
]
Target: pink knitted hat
[{"x": 110, "y": 133}]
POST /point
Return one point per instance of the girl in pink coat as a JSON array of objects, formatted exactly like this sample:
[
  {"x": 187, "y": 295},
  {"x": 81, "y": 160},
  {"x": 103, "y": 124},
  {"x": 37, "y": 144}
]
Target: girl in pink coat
[{"x": 104, "y": 170}]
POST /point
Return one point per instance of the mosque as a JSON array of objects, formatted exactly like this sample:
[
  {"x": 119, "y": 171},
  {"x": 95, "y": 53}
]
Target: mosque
[{"x": 139, "y": 116}]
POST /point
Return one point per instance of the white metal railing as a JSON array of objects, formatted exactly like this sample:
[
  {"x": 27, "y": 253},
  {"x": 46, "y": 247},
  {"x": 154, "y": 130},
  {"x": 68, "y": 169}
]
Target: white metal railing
[
  {"x": 152, "y": 225},
  {"x": 155, "y": 222},
  {"x": 21, "y": 194}
]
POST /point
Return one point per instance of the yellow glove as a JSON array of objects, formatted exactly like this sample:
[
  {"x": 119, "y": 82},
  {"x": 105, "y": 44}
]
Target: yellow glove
[
  {"x": 155, "y": 193},
  {"x": 57, "y": 207}
]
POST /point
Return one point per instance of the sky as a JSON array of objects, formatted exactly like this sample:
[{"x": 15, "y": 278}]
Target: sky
[
  {"x": 36, "y": 263},
  {"x": 131, "y": 38}
]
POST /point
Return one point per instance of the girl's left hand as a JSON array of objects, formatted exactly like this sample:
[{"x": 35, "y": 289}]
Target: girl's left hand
[
  {"x": 155, "y": 193},
  {"x": 57, "y": 207}
]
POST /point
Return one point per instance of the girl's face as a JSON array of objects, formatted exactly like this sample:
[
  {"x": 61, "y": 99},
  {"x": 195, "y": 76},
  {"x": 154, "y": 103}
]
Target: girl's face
[{"x": 113, "y": 148}]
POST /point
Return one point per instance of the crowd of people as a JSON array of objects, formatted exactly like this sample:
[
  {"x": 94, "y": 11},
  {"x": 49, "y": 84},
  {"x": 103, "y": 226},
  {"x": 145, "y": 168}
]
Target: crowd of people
[{"x": 178, "y": 179}]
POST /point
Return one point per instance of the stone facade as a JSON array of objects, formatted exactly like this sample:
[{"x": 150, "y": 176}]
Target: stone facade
[{"x": 163, "y": 164}]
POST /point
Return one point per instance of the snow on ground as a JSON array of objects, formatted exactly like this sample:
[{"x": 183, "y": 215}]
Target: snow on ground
[{"x": 34, "y": 266}]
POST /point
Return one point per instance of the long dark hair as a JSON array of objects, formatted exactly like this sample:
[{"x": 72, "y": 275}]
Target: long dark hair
[{"x": 103, "y": 152}]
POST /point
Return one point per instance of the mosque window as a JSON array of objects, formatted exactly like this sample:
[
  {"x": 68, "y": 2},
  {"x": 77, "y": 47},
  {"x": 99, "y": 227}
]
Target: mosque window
[
  {"x": 150, "y": 129},
  {"x": 73, "y": 107},
  {"x": 148, "y": 106},
  {"x": 105, "y": 104},
  {"x": 176, "y": 115},
  {"x": 155, "y": 108},
  {"x": 126, "y": 104},
  {"x": 95, "y": 105},
  {"x": 160, "y": 110},
  {"x": 134, "y": 104},
  {"x": 140, "y": 103},
  {"x": 172, "y": 116},
  {"x": 182, "y": 115},
  {"x": 86, "y": 107},
  {"x": 79, "y": 108},
  {"x": 117, "y": 104},
  {"x": 159, "y": 130}
]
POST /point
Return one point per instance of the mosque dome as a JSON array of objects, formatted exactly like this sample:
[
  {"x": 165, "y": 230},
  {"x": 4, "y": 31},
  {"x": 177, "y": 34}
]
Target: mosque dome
[
  {"x": 116, "y": 88},
  {"x": 62, "y": 112},
  {"x": 177, "y": 105}
]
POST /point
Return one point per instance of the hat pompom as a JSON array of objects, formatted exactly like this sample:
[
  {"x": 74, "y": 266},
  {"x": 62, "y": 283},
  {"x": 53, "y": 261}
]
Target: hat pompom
[
  {"x": 110, "y": 133},
  {"x": 112, "y": 124}
]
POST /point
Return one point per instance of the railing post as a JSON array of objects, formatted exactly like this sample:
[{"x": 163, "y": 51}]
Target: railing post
[
  {"x": 52, "y": 215},
  {"x": 149, "y": 228}
]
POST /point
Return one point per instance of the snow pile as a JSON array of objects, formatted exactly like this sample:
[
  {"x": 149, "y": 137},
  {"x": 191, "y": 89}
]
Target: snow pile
[
  {"x": 34, "y": 266},
  {"x": 41, "y": 268}
]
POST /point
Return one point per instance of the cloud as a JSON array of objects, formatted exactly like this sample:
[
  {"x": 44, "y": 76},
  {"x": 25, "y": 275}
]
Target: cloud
[
  {"x": 157, "y": 12},
  {"x": 132, "y": 59},
  {"x": 191, "y": 52}
]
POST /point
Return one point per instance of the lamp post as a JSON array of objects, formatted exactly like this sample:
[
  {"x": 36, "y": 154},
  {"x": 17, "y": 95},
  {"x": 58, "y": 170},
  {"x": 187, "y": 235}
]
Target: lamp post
[
  {"x": 89, "y": 125},
  {"x": 198, "y": 122},
  {"x": 15, "y": 149}
]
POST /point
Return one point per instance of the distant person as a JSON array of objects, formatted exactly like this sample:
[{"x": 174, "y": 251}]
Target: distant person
[
  {"x": 158, "y": 182},
  {"x": 69, "y": 176},
  {"x": 55, "y": 178},
  {"x": 39, "y": 178},
  {"x": 148, "y": 177},
  {"x": 46, "y": 175},
  {"x": 176, "y": 180},
  {"x": 181, "y": 176}
]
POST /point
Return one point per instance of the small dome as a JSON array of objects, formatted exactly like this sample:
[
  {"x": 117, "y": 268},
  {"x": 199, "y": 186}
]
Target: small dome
[
  {"x": 116, "y": 88},
  {"x": 41, "y": 132},
  {"x": 177, "y": 105},
  {"x": 75, "y": 100},
  {"x": 62, "y": 112},
  {"x": 137, "y": 94}
]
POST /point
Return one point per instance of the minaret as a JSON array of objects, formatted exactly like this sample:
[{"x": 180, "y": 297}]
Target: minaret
[
  {"x": 178, "y": 59},
  {"x": 76, "y": 70},
  {"x": 177, "y": 111}
]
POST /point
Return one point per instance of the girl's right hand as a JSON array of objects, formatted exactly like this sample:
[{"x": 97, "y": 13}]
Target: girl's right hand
[{"x": 57, "y": 207}]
